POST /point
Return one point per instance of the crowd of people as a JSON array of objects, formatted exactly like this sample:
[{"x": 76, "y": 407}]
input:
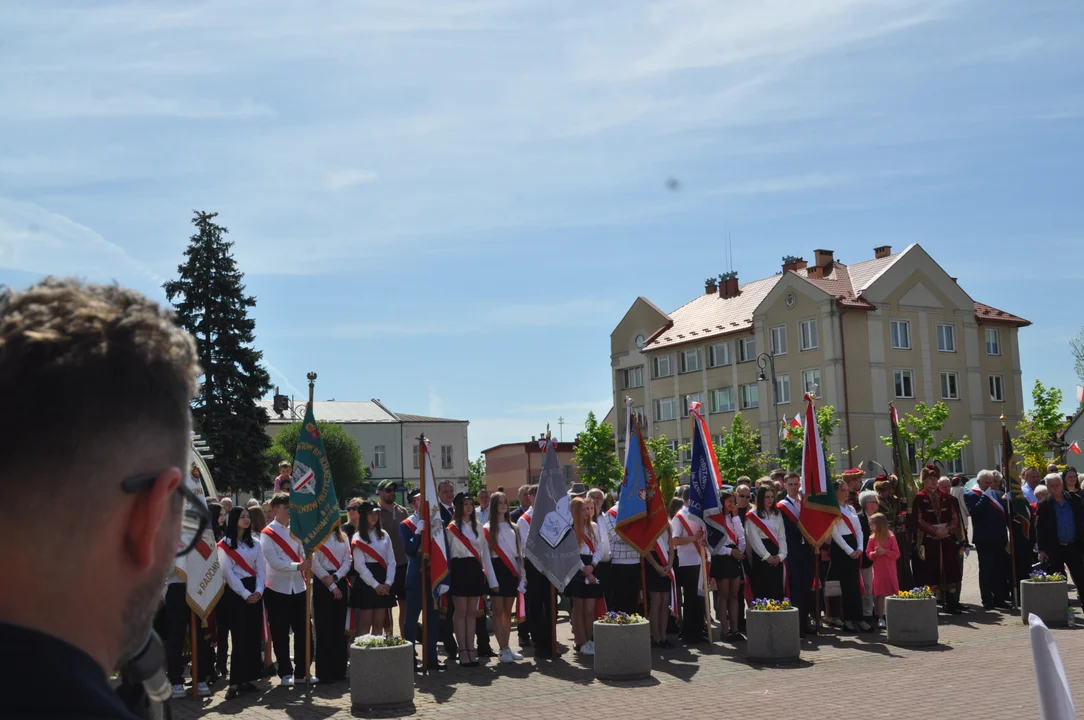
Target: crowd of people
[{"x": 372, "y": 565}]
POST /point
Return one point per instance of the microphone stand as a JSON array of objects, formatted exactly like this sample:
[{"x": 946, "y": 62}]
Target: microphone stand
[{"x": 143, "y": 685}]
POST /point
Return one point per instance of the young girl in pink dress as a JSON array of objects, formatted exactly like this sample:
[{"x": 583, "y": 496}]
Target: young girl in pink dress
[{"x": 883, "y": 551}]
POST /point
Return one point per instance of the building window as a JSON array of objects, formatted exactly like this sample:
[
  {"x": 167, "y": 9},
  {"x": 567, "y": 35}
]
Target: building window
[
  {"x": 811, "y": 381},
  {"x": 946, "y": 338},
  {"x": 417, "y": 461},
  {"x": 993, "y": 341},
  {"x": 380, "y": 456},
  {"x": 750, "y": 396},
  {"x": 634, "y": 377},
  {"x": 719, "y": 354},
  {"x": 662, "y": 366},
  {"x": 999, "y": 456},
  {"x": 722, "y": 400},
  {"x": 807, "y": 335},
  {"x": 689, "y": 399},
  {"x": 567, "y": 470},
  {"x": 716, "y": 440},
  {"x": 950, "y": 386},
  {"x": 997, "y": 388},
  {"x": 747, "y": 349},
  {"x": 664, "y": 409},
  {"x": 905, "y": 385},
  {"x": 912, "y": 456},
  {"x": 690, "y": 361},
  {"x": 956, "y": 465},
  {"x": 779, "y": 340},
  {"x": 782, "y": 389},
  {"x": 901, "y": 335},
  {"x": 446, "y": 457}
]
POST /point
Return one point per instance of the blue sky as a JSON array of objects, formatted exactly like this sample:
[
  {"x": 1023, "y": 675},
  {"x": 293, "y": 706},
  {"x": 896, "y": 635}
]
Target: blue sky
[{"x": 449, "y": 205}]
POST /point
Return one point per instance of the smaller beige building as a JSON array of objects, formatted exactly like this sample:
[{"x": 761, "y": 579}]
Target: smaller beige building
[{"x": 514, "y": 464}]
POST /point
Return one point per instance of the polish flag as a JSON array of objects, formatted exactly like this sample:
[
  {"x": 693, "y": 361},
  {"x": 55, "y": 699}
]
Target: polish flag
[
  {"x": 1080, "y": 393},
  {"x": 1075, "y": 447}
]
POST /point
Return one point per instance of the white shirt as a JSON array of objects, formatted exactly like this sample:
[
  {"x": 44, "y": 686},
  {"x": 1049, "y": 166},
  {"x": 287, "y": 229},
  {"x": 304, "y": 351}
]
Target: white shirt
[
  {"x": 458, "y": 550},
  {"x": 283, "y": 574},
  {"x": 596, "y": 539},
  {"x": 605, "y": 525},
  {"x": 621, "y": 552},
  {"x": 687, "y": 555},
  {"x": 234, "y": 574},
  {"x": 508, "y": 541},
  {"x": 726, "y": 544},
  {"x": 840, "y": 529},
  {"x": 755, "y": 537},
  {"x": 322, "y": 567},
  {"x": 523, "y": 526},
  {"x": 383, "y": 548},
  {"x": 481, "y": 514}
]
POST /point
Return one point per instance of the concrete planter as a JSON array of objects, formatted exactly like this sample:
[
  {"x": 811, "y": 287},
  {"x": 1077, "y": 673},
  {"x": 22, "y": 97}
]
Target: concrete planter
[
  {"x": 911, "y": 622},
  {"x": 622, "y": 652},
  {"x": 382, "y": 677},
  {"x": 773, "y": 635},
  {"x": 1048, "y": 600}
]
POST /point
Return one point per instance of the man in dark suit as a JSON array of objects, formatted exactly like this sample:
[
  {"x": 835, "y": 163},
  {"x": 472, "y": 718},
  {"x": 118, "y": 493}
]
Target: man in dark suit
[
  {"x": 989, "y": 533},
  {"x": 799, "y": 552},
  {"x": 446, "y": 492},
  {"x": 525, "y": 500},
  {"x": 1059, "y": 532}
]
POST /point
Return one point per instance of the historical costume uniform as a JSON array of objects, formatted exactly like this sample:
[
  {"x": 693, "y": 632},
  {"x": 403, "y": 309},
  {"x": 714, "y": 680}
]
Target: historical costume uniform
[
  {"x": 939, "y": 565},
  {"x": 285, "y": 596},
  {"x": 374, "y": 559},
  {"x": 764, "y": 537},
  {"x": 245, "y": 572},
  {"x": 847, "y": 539},
  {"x": 412, "y": 532},
  {"x": 690, "y": 576},
  {"x": 800, "y": 563},
  {"x": 331, "y": 563}
]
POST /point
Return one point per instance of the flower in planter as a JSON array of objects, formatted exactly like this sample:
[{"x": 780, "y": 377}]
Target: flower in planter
[
  {"x": 919, "y": 593},
  {"x": 1043, "y": 577},
  {"x": 379, "y": 641},
  {"x": 620, "y": 618},
  {"x": 768, "y": 605}
]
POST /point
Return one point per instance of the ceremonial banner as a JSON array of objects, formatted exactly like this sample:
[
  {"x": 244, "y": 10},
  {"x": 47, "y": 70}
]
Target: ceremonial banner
[
  {"x": 905, "y": 479},
  {"x": 705, "y": 480},
  {"x": 551, "y": 544},
  {"x": 201, "y": 569},
  {"x": 1017, "y": 501},
  {"x": 433, "y": 546},
  {"x": 641, "y": 512},
  {"x": 820, "y": 506},
  {"x": 314, "y": 509}
]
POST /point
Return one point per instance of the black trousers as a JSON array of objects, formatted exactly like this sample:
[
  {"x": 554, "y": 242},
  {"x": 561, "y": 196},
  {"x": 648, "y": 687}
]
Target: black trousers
[
  {"x": 1070, "y": 556},
  {"x": 845, "y": 569},
  {"x": 173, "y": 623},
  {"x": 222, "y": 626},
  {"x": 246, "y": 635},
  {"x": 329, "y": 615},
  {"x": 692, "y": 603},
  {"x": 540, "y": 611},
  {"x": 625, "y": 580},
  {"x": 286, "y": 613},
  {"x": 800, "y": 580},
  {"x": 992, "y": 579}
]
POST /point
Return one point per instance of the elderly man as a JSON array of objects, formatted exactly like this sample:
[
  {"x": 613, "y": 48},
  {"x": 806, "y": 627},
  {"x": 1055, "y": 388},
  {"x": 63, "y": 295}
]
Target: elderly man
[
  {"x": 1059, "y": 531},
  {"x": 1031, "y": 481},
  {"x": 989, "y": 533}
]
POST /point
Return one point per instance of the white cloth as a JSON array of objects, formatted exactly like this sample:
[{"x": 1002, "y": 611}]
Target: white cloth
[
  {"x": 959, "y": 492},
  {"x": 687, "y": 555},
  {"x": 383, "y": 547},
  {"x": 621, "y": 553},
  {"x": 481, "y": 514},
  {"x": 725, "y": 545},
  {"x": 508, "y": 541},
  {"x": 754, "y": 536},
  {"x": 283, "y": 574},
  {"x": 322, "y": 567},
  {"x": 840, "y": 529},
  {"x": 1051, "y": 684},
  {"x": 457, "y": 549},
  {"x": 234, "y": 574},
  {"x": 523, "y": 526},
  {"x": 585, "y": 549}
]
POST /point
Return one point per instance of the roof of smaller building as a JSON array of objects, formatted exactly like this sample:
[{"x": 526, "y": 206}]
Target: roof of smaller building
[
  {"x": 425, "y": 419},
  {"x": 532, "y": 446},
  {"x": 347, "y": 412}
]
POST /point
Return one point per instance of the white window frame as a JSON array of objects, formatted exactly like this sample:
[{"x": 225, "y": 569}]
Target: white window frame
[
  {"x": 808, "y": 339},
  {"x": 996, "y": 334},
  {"x": 999, "y": 396},
  {"x": 897, "y": 384},
  {"x": 753, "y": 387},
  {"x": 727, "y": 350},
  {"x": 660, "y": 403},
  {"x": 906, "y": 324},
  {"x": 417, "y": 458},
  {"x": 657, "y": 362},
  {"x": 999, "y": 456},
  {"x": 690, "y": 398},
  {"x": 747, "y": 355},
  {"x": 717, "y": 440},
  {"x": 778, "y": 340},
  {"x": 634, "y": 377},
  {"x": 380, "y": 456},
  {"x": 731, "y": 405},
  {"x": 956, "y": 465},
  {"x": 950, "y": 336},
  {"x": 782, "y": 389},
  {"x": 948, "y": 379},
  {"x": 806, "y": 381},
  {"x": 684, "y": 360},
  {"x": 447, "y": 458}
]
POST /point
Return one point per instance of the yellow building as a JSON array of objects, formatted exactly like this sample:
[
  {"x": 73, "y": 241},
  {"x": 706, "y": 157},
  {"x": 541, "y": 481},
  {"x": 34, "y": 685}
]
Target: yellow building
[{"x": 894, "y": 328}]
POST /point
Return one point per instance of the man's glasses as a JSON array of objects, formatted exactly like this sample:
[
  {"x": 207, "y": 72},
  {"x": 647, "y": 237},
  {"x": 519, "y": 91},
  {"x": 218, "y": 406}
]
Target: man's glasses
[{"x": 196, "y": 518}]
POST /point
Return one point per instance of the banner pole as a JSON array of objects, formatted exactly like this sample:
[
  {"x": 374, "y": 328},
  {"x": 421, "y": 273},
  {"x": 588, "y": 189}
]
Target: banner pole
[
  {"x": 426, "y": 591},
  {"x": 643, "y": 586},
  {"x": 195, "y": 655},
  {"x": 707, "y": 594},
  {"x": 553, "y": 617},
  {"x": 308, "y": 623}
]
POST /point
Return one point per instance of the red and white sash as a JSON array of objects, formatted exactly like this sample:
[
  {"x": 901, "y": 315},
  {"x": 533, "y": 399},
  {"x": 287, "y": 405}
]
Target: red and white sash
[
  {"x": 286, "y": 545},
  {"x": 331, "y": 557},
  {"x": 527, "y": 516},
  {"x": 612, "y": 512},
  {"x": 784, "y": 507},
  {"x": 850, "y": 526},
  {"x": 409, "y": 522},
  {"x": 466, "y": 543},
  {"x": 685, "y": 525},
  {"x": 237, "y": 559},
  {"x": 664, "y": 556},
  {"x": 370, "y": 551},
  {"x": 503, "y": 556},
  {"x": 763, "y": 528},
  {"x": 730, "y": 533}
]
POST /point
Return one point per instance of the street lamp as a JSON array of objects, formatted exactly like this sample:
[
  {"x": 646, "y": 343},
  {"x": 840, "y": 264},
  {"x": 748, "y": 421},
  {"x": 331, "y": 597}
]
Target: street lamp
[{"x": 766, "y": 361}]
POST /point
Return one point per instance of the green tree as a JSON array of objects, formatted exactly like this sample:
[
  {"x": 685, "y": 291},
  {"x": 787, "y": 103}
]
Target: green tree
[
  {"x": 827, "y": 422},
  {"x": 348, "y": 470},
  {"x": 665, "y": 461},
  {"x": 1038, "y": 431},
  {"x": 738, "y": 451},
  {"x": 595, "y": 457},
  {"x": 477, "y": 472},
  {"x": 921, "y": 429},
  {"x": 211, "y": 304}
]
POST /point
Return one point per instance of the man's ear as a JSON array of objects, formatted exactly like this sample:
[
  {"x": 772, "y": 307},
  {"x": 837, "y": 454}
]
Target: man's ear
[{"x": 149, "y": 511}]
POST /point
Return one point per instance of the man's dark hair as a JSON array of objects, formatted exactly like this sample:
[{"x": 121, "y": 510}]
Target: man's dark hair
[
  {"x": 280, "y": 499},
  {"x": 533, "y": 491}
]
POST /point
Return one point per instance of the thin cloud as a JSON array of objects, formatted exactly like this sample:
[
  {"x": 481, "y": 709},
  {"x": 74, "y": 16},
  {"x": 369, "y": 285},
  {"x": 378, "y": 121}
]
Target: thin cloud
[{"x": 340, "y": 179}]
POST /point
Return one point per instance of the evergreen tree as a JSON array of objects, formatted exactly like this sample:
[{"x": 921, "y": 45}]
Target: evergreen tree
[{"x": 211, "y": 304}]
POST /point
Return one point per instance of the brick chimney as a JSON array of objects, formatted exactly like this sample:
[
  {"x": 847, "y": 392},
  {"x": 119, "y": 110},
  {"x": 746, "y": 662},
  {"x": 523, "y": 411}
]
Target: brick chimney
[
  {"x": 816, "y": 272},
  {"x": 710, "y": 286},
  {"x": 824, "y": 259},
  {"x": 792, "y": 263},
  {"x": 882, "y": 252},
  {"x": 728, "y": 285}
]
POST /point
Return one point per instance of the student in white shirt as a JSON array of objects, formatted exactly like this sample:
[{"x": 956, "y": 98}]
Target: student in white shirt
[
  {"x": 726, "y": 569},
  {"x": 689, "y": 537},
  {"x": 766, "y": 539},
  {"x": 584, "y": 587},
  {"x": 330, "y": 564},
  {"x": 245, "y": 573},
  {"x": 846, "y": 554},
  {"x": 285, "y": 596},
  {"x": 374, "y": 559},
  {"x": 471, "y": 574},
  {"x": 506, "y": 556}
]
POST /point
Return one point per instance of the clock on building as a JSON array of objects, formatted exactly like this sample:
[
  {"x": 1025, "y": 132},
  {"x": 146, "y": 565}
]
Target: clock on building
[{"x": 639, "y": 342}]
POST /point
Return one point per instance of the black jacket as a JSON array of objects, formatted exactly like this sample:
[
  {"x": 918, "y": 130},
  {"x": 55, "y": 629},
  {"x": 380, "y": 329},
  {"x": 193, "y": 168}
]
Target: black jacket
[
  {"x": 988, "y": 523},
  {"x": 1046, "y": 525}
]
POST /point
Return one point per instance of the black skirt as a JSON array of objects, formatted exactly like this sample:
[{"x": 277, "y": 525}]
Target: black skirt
[
  {"x": 468, "y": 578},
  {"x": 656, "y": 583},
  {"x": 364, "y": 597},
  {"x": 578, "y": 587},
  {"x": 507, "y": 582},
  {"x": 246, "y": 631},
  {"x": 725, "y": 567},
  {"x": 768, "y": 581}
]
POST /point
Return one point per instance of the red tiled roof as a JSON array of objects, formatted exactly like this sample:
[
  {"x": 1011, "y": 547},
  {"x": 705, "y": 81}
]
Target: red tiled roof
[{"x": 986, "y": 313}]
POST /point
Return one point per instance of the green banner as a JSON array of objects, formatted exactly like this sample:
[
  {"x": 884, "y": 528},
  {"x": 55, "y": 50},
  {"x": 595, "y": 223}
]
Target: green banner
[{"x": 314, "y": 509}]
